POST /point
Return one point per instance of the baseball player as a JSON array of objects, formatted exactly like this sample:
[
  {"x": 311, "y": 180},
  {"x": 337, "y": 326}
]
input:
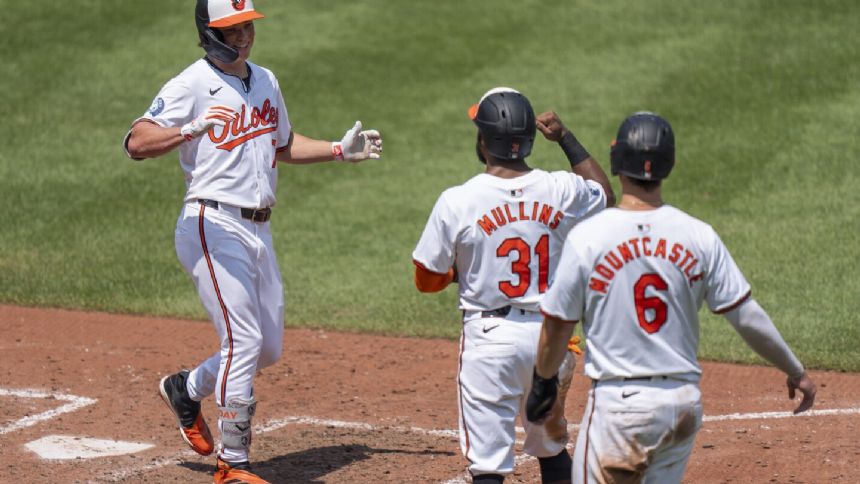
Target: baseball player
[
  {"x": 228, "y": 118},
  {"x": 499, "y": 235},
  {"x": 637, "y": 281}
]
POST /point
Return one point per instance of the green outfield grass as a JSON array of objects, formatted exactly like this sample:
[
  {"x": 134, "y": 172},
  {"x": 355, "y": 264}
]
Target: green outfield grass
[{"x": 763, "y": 96}]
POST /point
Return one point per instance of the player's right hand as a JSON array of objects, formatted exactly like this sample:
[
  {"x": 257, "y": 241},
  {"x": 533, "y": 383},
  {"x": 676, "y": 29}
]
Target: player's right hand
[
  {"x": 806, "y": 387},
  {"x": 213, "y": 116},
  {"x": 551, "y": 126},
  {"x": 541, "y": 398}
]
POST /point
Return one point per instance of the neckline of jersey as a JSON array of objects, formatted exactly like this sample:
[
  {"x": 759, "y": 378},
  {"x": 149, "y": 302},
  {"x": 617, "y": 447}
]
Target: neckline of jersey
[
  {"x": 246, "y": 81},
  {"x": 516, "y": 182}
]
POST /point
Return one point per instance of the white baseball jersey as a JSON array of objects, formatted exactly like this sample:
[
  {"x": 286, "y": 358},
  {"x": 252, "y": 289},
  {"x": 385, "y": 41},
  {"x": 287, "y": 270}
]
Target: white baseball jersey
[
  {"x": 505, "y": 235},
  {"x": 637, "y": 280},
  {"x": 233, "y": 164}
]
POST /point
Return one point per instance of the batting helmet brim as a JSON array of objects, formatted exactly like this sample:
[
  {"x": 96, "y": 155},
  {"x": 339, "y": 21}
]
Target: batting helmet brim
[{"x": 236, "y": 19}]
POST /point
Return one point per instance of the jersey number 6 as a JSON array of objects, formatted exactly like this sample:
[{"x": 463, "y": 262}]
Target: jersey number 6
[
  {"x": 654, "y": 303},
  {"x": 521, "y": 266}
]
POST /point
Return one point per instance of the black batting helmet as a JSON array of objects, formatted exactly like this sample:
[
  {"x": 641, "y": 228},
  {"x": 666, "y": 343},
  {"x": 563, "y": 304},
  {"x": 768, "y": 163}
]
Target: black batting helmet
[
  {"x": 210, "y": 15},
  {"x": 644, "y": 147},
  {"x": 506, "y": 122}
]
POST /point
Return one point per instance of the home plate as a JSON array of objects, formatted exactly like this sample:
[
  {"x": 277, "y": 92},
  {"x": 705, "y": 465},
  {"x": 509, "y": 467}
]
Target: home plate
[{"x": 69, "y": 447}]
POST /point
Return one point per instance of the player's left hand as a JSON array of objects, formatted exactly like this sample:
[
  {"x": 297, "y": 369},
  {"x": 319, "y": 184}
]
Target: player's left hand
[
  {"x": 806, "y": 387},
  {"x": 551, "y": 126},
  {"x": 358, "y": 145},
  {"x": 541, "y": 398}
]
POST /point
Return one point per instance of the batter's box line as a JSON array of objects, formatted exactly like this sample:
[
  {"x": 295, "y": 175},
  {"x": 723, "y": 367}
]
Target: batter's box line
[
  {"x": 74, "y": 403},
  {"x": 278, "y": 423}
]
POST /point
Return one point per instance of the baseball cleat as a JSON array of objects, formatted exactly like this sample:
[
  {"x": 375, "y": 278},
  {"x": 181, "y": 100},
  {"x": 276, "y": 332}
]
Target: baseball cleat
[
  {"x": 192, "y": 426},
  {"x": 236, "y": 473}
]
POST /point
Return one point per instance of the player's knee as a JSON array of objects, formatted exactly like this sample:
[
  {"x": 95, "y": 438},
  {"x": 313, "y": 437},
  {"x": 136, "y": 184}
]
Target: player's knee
[
  {"x": 555, "y": 469},
  {"x": 270, "y": 354},
  {"x": 488, "y": 479}
]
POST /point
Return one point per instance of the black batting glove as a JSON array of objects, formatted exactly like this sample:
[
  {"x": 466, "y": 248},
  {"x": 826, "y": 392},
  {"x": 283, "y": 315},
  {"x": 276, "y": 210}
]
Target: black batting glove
[{"x": 541, "y": 397}]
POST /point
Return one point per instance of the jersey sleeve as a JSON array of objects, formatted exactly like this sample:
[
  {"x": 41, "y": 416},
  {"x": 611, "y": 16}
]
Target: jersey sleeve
[
  {"x": 726, "y": 286},
  {"x": 565, "y": 297},
  {"x": 282, "y": 138},
  {"x": 173, "y": 106},
  {"x": 586, "y": 197},
  {"x": 435, "y": 250}
]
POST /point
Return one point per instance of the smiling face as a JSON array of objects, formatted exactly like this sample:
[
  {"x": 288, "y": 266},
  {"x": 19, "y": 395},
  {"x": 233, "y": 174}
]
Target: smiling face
[{"x": 240, "y": 37}]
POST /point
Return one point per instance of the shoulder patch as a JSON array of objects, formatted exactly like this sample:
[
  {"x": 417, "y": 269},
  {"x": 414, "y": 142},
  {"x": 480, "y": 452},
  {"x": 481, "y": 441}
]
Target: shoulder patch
[{"x": 156, "y": 107}]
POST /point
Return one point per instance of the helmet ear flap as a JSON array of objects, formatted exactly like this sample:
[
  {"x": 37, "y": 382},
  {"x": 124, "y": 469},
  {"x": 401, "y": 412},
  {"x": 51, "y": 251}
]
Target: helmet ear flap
[
  {"x": 211, "y": 40},
  {"x": 213, "y": 44}
]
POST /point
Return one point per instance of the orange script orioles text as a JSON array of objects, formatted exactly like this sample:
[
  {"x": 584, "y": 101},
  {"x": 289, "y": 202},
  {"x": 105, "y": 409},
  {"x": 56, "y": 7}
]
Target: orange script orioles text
[
  {"x": 264, "y": 117},
  {"x": 522, "y": 212},
  {"x": 614, "y": 260}
]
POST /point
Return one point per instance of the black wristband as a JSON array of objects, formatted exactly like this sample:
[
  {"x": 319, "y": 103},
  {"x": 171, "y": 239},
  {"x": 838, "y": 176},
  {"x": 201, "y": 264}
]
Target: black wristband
[{"x": 573, "y": 149}]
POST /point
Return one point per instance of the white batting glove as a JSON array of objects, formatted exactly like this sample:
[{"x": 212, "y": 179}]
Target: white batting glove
[
  {"x": 357, "y": 145},
  {"x": 213, "y": 116}
]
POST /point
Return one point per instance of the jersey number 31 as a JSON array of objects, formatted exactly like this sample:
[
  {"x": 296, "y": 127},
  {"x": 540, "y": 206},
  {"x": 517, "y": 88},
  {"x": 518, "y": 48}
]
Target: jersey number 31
[{"x": 522, "y": 265}]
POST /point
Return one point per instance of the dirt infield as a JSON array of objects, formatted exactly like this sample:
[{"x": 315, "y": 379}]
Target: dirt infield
[{"x": 350, "y": 408}]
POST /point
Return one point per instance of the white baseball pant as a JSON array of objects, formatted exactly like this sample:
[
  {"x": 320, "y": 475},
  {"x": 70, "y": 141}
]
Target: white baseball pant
[
  {"x": 232, "y": 263},
  {"x": 639, "y": 430},
  {"x": 497, "y": 358}
]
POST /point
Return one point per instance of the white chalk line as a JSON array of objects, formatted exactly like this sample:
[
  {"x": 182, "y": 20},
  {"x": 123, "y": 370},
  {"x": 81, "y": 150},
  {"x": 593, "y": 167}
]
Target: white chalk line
[
  {"x": 770, "y": 415},
  {"x": 279, "y": 423},
  {"x": 74, "y": 403}
]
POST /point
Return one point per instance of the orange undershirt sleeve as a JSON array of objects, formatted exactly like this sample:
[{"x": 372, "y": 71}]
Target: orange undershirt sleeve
[{"x": 429, "y": 281}]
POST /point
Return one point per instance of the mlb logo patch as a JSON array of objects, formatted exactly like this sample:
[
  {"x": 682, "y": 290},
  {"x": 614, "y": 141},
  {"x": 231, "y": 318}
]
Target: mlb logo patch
[
  {"x": 517, "y": 193},
  {"x": 644, "y": 228}
]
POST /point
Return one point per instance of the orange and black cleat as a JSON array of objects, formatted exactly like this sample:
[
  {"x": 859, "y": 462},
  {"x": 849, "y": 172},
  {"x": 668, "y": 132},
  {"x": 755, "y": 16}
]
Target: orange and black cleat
[
  {"x": 236, "y": 473},
  {"x": 192, "y": 426}
]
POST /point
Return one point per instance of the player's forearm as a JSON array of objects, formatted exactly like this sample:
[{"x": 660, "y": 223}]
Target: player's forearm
[
  {"x": 584, "y": 165},
  {"x": 303, "y": 150},
  {"x": 148, "y": 140},
  {"x": 552, "y": 347},
  {"x": 759, "y": 332}
]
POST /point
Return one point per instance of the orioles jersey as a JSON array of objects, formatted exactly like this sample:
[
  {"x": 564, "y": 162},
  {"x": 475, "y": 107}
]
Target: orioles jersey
[
  {"x": 233, "y": 164},
  {"x": 637, "y": 280},
  {"x": 504, "y": 236}
]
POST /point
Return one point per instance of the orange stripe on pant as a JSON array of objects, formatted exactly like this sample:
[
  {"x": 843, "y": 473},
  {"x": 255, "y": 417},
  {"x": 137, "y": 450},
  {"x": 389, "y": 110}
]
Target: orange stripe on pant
[
  {"x": 223, "y": 309},
  {"x": 587, "y": 429},
  {"x": 460, "y": 389}
]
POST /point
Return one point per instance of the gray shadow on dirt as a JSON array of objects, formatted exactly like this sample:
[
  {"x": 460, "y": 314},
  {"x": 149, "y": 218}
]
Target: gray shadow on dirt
[{"x": 308, "y": 466}]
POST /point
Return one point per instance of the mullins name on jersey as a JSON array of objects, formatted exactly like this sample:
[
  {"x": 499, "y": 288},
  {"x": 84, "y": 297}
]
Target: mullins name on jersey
[
  {"x": 520, "y": 212},
  {"x": 638, "y": 247}
]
